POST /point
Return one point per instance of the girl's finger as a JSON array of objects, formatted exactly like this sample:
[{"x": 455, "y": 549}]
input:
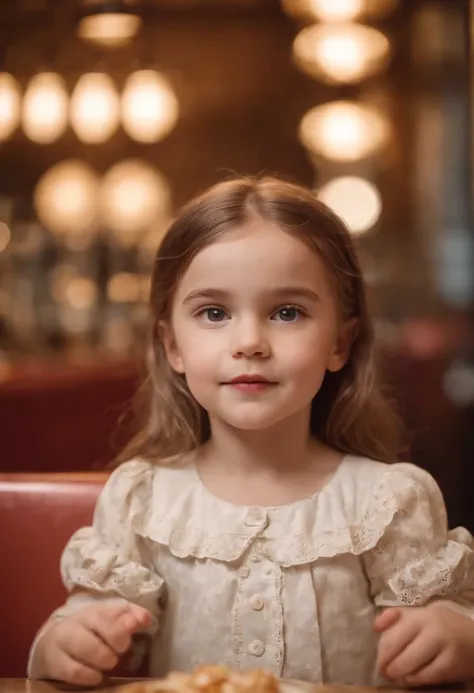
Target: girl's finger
[
  {"x": 418, "y": 655},
  {"x": 142, "y": 615},
  {"x": 394, "y": 640},
  {"x": 387, "y": 619},
  {"x": 113, "y": 628},
  {"x": 70, "y": 670},
  {"x": 438, "y": 671},
  {"x": 90, "y": 650}
]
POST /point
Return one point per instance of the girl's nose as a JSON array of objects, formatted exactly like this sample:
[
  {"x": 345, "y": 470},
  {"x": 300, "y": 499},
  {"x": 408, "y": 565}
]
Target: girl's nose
[{"x": 250, "y": 340}]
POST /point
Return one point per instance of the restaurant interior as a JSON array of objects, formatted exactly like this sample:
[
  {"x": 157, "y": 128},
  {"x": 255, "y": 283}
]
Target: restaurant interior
[{"x": 114, "y": 113}]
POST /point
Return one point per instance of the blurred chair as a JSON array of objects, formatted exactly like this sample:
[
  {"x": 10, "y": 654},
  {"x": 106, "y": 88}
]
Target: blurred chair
[
  {"x": 61, "y": 417},
  {"x": 38, "y": 514}
]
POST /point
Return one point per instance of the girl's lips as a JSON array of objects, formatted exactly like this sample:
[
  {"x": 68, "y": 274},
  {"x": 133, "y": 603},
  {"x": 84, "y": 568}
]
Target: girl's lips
[
  {"x": 249, "y": 378},
  {"x": 253, "y": 386},
  {"x": 251, "y": 383}
]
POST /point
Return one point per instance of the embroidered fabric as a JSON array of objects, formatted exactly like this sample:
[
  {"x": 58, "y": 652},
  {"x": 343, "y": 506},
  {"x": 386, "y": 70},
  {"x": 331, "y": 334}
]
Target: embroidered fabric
[
  {"x": 403, "y": 523},
  {"x": 292, "y": 589}
]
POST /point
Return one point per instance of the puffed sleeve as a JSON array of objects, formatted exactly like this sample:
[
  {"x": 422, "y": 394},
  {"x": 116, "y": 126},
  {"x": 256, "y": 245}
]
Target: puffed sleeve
[
  {"x": 105, "y": 561},
  {"x": 417, "y": 559}
]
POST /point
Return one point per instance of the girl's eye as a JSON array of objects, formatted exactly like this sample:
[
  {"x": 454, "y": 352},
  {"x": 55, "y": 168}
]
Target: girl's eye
[
  {"x": 213, "y": 314},
  {"x": 288, "y": 314}
]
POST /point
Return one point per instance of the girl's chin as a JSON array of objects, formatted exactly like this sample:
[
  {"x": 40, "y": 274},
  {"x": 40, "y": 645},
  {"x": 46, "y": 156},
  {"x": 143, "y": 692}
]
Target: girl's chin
[{"x": 252, "y": 423}]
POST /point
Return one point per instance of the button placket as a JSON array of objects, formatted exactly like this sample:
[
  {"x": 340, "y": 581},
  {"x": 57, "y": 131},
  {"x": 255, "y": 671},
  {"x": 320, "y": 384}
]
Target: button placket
[
  {"x": 256, "y": 602},
  {"x": 256, "y": 648},
  {"x": 256, "y": 517},
  {"x": 256, "y": 592}
]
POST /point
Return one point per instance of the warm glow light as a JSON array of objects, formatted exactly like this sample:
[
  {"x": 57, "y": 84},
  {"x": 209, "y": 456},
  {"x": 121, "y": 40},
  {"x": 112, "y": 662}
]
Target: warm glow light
[
  {"x": 5, "y": 235},
  {"x": 355, "y": 200},
  {"x": 338, "y": 10},
  {"x": 9, "y": 105},
  {"x": 110, "y": 29},
  {"x": 45, "y": 108},
  {"x": 325, "y": 10},
  {"x": 124, "y": 287},
  {"x": 341, "y": 53},
  {"x": 343, "y": 131},
  {"x": 80, "y": 293},
  {"x": 66, "y": 199},
  {"x": 95, "y": 108},
  {"x": 133, "y": 196},
  {"x": 149, "y": 106}
]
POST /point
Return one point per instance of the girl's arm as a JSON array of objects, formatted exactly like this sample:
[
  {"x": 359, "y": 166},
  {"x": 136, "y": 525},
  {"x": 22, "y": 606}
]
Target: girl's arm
[
  {"x": 103, "y": 563},
  {"x": 418, "y": 562},
  {"x": 417, "y": 559}
]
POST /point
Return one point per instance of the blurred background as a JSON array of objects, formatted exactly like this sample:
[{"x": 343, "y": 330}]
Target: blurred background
[{"x": 114, "y": 113}]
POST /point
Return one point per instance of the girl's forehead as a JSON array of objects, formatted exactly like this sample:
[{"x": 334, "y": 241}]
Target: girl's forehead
[{"x": 259, "y": 252}]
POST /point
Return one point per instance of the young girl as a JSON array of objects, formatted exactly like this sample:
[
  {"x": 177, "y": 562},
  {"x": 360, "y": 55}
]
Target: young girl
[{"x": 259, "y": 523}]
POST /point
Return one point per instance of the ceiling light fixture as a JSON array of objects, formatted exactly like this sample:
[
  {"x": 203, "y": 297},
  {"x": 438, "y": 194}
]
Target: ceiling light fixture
[{"x": 110, "y": 24}]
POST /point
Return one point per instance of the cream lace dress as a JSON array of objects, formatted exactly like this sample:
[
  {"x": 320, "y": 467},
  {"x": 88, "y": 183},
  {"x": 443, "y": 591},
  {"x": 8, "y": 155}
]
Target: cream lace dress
[{"x": 292, "y": 589}]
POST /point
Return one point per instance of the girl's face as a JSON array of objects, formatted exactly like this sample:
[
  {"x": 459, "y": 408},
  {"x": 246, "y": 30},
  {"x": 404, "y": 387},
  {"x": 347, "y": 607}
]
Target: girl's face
[{"x": 254, "y": 327}]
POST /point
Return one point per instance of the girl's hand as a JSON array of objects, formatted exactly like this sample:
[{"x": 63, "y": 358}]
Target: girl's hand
[
  {"x": 80, "y": 647},
  {"x": 425, "y": 646}
]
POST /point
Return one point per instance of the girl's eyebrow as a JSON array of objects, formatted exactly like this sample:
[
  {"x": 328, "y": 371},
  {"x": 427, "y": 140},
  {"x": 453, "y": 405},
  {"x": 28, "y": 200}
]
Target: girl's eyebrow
[
  {"x": 296, "y": 291},
  {"x": 208, "y": 294},
  {"x": 278, "y": 293}
]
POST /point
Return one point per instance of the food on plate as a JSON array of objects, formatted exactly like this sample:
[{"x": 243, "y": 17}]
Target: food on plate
[{"x": 211, "y": 679}]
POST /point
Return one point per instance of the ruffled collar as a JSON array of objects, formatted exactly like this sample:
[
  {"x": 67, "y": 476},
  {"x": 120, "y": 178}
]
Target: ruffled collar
[{"x": 172, "y": 507}]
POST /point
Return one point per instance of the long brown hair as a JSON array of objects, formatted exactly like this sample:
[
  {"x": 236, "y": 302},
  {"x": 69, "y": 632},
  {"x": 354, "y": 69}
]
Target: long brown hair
[{"x": 350, "y": 412}]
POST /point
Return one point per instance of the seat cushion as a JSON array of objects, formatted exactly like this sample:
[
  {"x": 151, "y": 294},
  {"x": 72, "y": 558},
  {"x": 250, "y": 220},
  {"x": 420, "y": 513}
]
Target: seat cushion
[{"x": 38, "y": 514}]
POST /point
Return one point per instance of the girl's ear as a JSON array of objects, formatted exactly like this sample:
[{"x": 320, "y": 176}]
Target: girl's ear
[
  {"x": 345, "y": 340},
  {"x": 167, "y": 337}
]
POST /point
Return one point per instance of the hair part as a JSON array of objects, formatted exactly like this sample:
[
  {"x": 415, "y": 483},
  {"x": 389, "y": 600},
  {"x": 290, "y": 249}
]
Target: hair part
[{"x": 350, "y": 412}]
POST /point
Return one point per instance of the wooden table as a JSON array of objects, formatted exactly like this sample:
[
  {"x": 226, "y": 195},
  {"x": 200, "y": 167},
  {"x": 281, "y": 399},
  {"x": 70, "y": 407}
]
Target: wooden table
[{"x": 27, "y": 686}]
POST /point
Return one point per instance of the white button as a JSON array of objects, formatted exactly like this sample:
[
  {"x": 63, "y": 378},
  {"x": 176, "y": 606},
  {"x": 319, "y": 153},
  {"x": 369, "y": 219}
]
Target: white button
[
  {"x": 244, "y": 571},
  {"x": 256, "y": 648},
  {"x": 256, "y": 602},
  {"x": 256, "y": 517}
]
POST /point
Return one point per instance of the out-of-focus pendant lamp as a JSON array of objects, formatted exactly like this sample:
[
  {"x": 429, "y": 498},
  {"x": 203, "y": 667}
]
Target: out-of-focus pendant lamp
[
  {"x": 45, "y": 108},
  {"x": 10, "y": 108},
  {"x": 109, "y": 23}
]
